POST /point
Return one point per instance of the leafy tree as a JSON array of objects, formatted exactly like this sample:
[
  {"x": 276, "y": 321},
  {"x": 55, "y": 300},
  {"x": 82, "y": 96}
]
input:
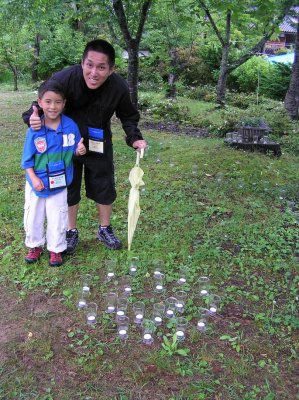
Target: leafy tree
[
  {"x": 256, "y": 20},
  {"x": 61, "y": 48},
  {"x": 171, "y": 37},
  {"x": 34, "y": 17},
  {"x": 14, "y": 50},
  {"x": 44, "y": 21}
]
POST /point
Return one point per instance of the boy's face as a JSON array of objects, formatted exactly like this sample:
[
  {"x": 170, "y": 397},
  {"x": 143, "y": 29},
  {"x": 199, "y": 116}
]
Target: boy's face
[
  {"x": 96, "y": 69},
  {"x": 52, "y": 104}
]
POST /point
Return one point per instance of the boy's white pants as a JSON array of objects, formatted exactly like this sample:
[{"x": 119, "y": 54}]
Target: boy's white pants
[{"x": 36, "y": 209}]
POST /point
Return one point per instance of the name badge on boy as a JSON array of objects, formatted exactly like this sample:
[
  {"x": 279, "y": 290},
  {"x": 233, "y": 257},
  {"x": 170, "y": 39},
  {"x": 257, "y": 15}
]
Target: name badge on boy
[
  {"x": 56, "y": 175},
  {"x": 96, "y": 140}
]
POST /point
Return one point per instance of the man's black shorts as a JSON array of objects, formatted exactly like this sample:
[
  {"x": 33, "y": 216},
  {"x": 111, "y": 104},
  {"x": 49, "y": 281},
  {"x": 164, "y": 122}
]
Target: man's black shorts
[{"x": 98, "y": 176}]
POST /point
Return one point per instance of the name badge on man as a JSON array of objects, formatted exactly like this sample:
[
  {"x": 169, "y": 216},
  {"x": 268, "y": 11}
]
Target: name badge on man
[
  {"x": 96, "y": 140},
  {"x": 56, "y": 175}
]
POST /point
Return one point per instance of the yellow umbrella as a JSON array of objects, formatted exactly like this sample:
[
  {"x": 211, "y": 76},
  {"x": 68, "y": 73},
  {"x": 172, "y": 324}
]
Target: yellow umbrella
[{"x": 135, "y": 178}]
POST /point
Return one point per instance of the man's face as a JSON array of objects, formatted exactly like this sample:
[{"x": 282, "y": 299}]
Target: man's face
[{"x": 96, "y": 69}]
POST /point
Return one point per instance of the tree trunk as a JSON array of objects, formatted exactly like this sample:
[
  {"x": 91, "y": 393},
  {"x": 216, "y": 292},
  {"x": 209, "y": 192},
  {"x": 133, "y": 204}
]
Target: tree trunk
[
  {"x": 14, "y": 71},
  {"x": 224, "y": 71},
  {"x": 171, "y": 91},
  {"x": 291, "y": 101},
  {"x": 221, "y": 84},
  {"x": 34, "y": 73},
  {"x": 15, "y": 78},
  {"x": 133, "y": 69},
  {"x": 132, "y": 43}
]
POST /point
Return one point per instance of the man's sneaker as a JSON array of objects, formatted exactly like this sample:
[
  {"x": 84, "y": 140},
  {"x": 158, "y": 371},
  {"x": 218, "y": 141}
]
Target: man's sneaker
[
  {"x": 106, "y": 235},
  {"x": 33, "y": 254},
  {"x": 72, "y": 239},
  {"x": 55, "y": 259}
]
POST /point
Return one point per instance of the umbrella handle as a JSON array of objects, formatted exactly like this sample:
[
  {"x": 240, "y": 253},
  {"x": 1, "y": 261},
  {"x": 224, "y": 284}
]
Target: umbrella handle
[{"x": 139, "y": 155}]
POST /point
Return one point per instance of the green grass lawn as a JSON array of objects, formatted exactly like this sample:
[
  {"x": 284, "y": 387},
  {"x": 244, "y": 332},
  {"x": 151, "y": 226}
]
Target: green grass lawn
[{"x": 223, "y": 213}]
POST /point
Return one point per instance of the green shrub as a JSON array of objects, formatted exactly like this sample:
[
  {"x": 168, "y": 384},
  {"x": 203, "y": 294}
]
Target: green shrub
[
  {"x": 205, "y": 92},
  {"x": 290, "y": 142},
  {"x": 240, "y": 100},
  {"x": 5, "y": 76},
  {"x": 197, "y": 72},
  {"x": 211, "y": 54},
  {"x": 275, "y": 82},
  {"x": 282, "y": 50},
  {"x": 149, "y": 76},
  {"x": 226, "y": 122},
  {"x": 257, "y": 122},
  {"x": 277, "y": 118},
  {"x": 200, "y": 121},
  {"x": 166, "y": 110},
  {"x": 246, "y": 77}
]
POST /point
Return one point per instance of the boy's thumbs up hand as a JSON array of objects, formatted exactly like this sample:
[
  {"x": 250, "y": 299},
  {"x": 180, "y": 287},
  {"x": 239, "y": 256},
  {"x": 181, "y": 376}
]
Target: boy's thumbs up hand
[
  {"x": 34, "y": 120},
  {"x": 35, "y": 111},
  {"x": 81, "y": 150}
]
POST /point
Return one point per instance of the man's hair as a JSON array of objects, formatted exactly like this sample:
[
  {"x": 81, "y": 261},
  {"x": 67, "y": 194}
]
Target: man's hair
[
  {"x": 101, "y": 46},
  {"x": 50, "y": 86}
]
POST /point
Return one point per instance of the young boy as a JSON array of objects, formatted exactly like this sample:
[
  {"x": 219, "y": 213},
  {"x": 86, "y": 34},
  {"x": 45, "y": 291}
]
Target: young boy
[{"x": 47, "y": 159}]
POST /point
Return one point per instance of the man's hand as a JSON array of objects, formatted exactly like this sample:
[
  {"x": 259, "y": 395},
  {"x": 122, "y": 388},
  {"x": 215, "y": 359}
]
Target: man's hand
[
  {"x": 81, "y": 150},
  {"x": 140, "y": 144},
  {"x": 34, "y": 120}
]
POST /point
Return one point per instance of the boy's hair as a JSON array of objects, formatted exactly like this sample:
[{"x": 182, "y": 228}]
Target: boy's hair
[
  {"x": 101, "y": 46},
  {"x": 50, "y": 86}
]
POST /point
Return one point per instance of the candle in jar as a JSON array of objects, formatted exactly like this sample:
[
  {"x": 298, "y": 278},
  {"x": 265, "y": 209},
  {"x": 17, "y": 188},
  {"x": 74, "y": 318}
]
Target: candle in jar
[
  {"x": 213, "y": 309},
  {"x": 182, "y": 280},
  {"x": 128, "y": 289},
  {"x": 120, "y": 313},
  {"x": 133, "y": 269},
  {"x": 122, "y": 332},
  {"x": 179, "y": 305},
  {"x": 201, "y": 326},
  {"x": 157, "y": 273},
  {"x": 159, "y": 287},
  {"x": 180, "y": 334},
  {"x": 82, "y": 303},
  {"x": 110, "y": 274},
  {"x": 139, "y": 317},
  {"x": 203, "y": 292},
  {"x": 91, "y": 319},
  {"x": 158, "y": 320},
  {"x": 110, "y": 309},
  {"x": 169, "y": 312},
  {"x": 86, "y": 288},
  {"x": 147, "y": 336}
]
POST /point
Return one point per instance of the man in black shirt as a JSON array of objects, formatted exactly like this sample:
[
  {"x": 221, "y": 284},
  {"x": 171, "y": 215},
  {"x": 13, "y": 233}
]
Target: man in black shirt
[{"x": 93, "y": 93}]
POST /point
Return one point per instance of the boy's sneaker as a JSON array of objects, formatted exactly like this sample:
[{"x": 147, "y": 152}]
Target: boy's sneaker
[
  {"x": 33, "y": 254},
  {"x": 55, "y": 259},
  {"x": 72, "y": 239},
  {"x": 106, "y": 235}
]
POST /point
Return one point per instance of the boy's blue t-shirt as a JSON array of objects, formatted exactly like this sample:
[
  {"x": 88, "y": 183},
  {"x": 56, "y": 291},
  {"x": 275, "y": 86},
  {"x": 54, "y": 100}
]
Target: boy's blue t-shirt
[{"x": 46, "y": 145}]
